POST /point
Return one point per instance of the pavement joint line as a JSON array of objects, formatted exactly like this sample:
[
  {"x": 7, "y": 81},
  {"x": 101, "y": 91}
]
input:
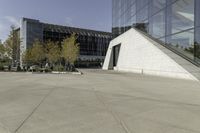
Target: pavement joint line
[
  {"x": 26, "y": 119},
  {"x": 124, "y": 125},
  {"x": 114, "y": 114},
  {"x": 156, "y": 100}
]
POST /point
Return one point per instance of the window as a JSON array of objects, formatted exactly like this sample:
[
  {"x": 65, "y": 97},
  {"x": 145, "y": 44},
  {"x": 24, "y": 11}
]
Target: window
[
  {"x": 182, "y": 15},
  {"x": 183, "y": 42},
  {"x": 158, "y": 25}
]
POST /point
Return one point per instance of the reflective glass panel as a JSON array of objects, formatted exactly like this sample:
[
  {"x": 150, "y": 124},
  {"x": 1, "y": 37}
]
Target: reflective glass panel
[
  {"x": 182, "y": 15},
  {"x": 158, "y": 25},
  {"x": 183, "y": 42}
]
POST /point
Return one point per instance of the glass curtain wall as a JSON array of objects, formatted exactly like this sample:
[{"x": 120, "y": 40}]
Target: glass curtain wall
[{"x": 175, "y": 22}]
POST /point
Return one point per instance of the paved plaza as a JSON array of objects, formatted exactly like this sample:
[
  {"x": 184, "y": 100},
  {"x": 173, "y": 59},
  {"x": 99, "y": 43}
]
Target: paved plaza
[{"x": 97, "y": 102}]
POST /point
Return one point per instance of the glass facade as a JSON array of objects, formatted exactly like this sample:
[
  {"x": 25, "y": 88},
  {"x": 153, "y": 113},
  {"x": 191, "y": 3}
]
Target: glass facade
[
  {"x": 174, "y": 22},
  {"x": 92, "y": 43}
]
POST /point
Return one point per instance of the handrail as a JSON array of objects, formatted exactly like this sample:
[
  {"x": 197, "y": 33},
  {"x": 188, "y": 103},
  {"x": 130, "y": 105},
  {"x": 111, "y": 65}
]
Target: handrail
[{"x": 168, "y": 47}]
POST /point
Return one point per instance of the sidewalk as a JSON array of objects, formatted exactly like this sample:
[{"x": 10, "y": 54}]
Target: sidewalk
[{"x": 98, "y": 102}]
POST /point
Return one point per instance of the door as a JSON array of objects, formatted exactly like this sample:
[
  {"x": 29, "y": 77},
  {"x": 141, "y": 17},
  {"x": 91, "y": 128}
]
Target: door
[{"x": 116, "y": 50}]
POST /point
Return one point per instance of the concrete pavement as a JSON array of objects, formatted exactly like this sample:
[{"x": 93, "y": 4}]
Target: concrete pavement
[{"x": 97, "y": 102}]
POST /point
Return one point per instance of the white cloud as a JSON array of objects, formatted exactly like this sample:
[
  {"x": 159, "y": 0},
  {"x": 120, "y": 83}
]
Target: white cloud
[
  {"x": 13, "y": 20},
  {"x": 5, "y": 23},
  {"x": 1, "y": 28},
  {"x": 3, "y": 31}
]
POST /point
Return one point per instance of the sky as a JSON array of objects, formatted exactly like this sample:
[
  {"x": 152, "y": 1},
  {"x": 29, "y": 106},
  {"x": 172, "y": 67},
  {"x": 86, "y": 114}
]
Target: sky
[{"x": 90, "y": 14}]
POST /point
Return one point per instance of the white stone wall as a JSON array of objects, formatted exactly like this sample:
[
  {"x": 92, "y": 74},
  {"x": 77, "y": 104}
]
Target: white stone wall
[{"x": 139, "y": 55}]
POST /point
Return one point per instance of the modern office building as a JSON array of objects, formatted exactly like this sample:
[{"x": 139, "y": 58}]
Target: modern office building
[
  {"x": 171, "y": 26},
  {"x": 93, "y": 44}
]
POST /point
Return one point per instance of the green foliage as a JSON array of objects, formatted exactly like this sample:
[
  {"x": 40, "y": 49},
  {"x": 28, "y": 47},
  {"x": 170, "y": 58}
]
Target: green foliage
[
  {"x": 8, "y": 47},
  {"x": 2, "y": 50},
  {"x": 34, "y": 55},
  {"x": 70, "y": 49},
  {"x": 37, "y": 52},
  {"x": 1, "y": 67},
  {"x": 19, "y": 69},
  {"x": 46, "y": 70},
  {"x": 53, "y": 52},
  {"x": 27, "y": 56},
  {"x": 59, "y": 68},
  {"x": 4, "y": 62},
  {"x": 12, "y": 43}
]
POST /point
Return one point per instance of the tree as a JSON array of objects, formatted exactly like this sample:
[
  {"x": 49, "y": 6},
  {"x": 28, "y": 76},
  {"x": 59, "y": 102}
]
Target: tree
[
  {"x": 53, "y": 52},
  {"x": 27, "y": 57},
  {"x": 70, "y": 50},
  {"x": 12, "y": 45},
  {"x": 2, "y": 50},
  {"x": 4, "y": 60},
  {"x": 37, "y": 53}
]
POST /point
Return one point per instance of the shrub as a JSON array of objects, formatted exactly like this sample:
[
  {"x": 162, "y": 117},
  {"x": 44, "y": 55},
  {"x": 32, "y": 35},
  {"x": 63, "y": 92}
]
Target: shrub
[
  {"x": 19, "y": 69},
  {"x": 47, "y": 70},
  {"x": 1, "y": 67},
  {"x": 58, "y": 68}
]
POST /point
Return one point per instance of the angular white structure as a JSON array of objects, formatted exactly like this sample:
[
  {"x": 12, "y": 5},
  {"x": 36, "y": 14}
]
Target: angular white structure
[{"x": 139, "y": 54}]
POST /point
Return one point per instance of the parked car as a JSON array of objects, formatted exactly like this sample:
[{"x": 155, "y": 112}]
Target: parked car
[
  {"x": 6, "y": 68},
  {"x": 34, "y": 68},
  {"x": 14, "y": 69}
]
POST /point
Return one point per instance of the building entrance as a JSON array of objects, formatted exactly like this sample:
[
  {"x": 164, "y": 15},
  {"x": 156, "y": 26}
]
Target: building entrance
[{"x": 116, "y": 50}]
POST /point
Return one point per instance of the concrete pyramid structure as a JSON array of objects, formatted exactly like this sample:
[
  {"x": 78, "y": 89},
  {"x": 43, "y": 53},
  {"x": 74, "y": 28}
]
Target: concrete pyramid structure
[{"x": 140, "y": 54}]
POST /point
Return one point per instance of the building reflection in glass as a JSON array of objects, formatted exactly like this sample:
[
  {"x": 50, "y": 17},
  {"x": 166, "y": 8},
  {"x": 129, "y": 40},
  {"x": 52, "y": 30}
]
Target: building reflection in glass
[{"x": 175, "y": 22}]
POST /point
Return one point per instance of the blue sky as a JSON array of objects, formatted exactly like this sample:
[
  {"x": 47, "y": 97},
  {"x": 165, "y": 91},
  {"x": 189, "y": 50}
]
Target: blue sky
[{"x": 92, "y": 14}]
